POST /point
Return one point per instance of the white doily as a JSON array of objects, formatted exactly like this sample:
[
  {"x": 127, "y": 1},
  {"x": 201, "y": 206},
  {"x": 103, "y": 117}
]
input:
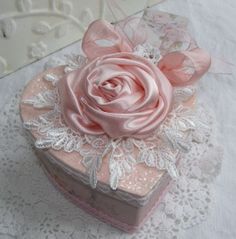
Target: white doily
[{"x": 32, "y": 208}]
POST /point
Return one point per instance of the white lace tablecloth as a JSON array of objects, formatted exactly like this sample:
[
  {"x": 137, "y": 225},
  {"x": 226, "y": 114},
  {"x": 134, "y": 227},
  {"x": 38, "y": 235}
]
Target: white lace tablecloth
[{"x": 30, "y": 207}]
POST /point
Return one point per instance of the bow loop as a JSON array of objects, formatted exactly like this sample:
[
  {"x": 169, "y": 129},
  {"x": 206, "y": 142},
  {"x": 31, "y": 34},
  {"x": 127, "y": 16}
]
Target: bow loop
[
  {"x": 185, "y": 67},
  {"x": 100, "y": 32}
]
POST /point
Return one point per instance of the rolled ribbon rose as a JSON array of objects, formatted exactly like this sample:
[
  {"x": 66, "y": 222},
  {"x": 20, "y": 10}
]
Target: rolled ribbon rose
[{"x": 118, "y": 94}]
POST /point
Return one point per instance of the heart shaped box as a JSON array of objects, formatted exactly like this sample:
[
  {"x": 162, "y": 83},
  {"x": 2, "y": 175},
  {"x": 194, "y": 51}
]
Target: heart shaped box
[{"x": 125, "y": 208}]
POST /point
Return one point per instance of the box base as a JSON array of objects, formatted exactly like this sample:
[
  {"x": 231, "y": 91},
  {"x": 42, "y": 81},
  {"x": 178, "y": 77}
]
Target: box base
[{"x": 87, "y": 207}]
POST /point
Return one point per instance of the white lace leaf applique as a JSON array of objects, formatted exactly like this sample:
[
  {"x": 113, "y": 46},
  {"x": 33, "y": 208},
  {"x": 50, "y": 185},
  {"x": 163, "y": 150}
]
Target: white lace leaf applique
[
  {"x": 45, "y": 99},
  {"x": 74, "y": 62},
  {"x": 93, "y": 156},
  {"x": 92, "y": 164},
  {"x": 121, "y": 160},
  {"x": 158, "y": 155},
  {"x": 70, "y": 61},
  {"x": 167, "y": 161},
  {"x": 44, "y": 122},
  {"x": 51, "y": 78}
]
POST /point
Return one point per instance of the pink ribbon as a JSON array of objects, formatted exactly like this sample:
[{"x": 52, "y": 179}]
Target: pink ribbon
[
  {"x": 185, "y": 67},
  {"x": 99, "y": 31},
  {"x": 180, "y": 67}
]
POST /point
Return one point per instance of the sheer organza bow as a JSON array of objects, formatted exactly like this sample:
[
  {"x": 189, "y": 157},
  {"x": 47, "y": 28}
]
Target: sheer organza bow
[{"x": 180, "y": 67}]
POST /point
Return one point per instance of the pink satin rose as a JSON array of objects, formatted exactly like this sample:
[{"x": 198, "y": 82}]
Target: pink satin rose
[{"x": 119, "y": 94}]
